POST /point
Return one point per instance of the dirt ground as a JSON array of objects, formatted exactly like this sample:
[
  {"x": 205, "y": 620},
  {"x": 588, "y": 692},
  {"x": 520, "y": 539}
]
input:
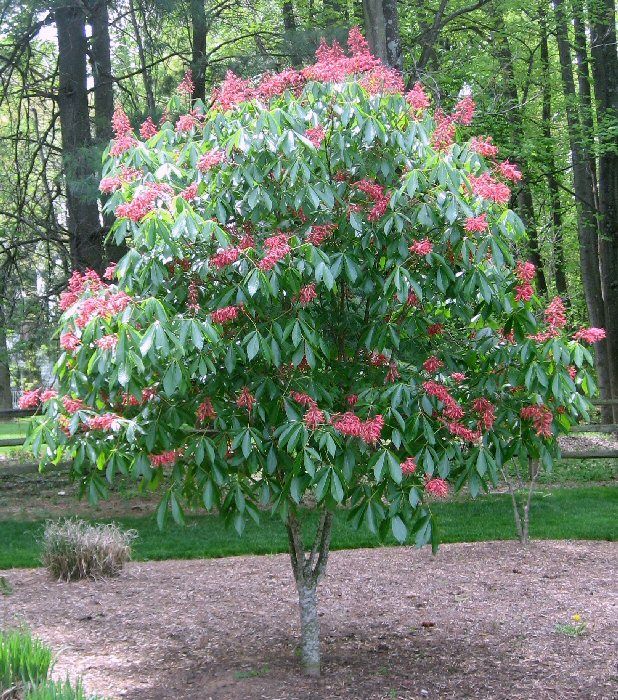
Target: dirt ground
[{"x": 476, "y": 621}]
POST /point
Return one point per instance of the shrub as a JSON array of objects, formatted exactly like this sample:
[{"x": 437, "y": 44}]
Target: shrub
[
  {"x": 23, "y": 659},
  {"x": 74, "y": 549},
  {"x": 321, "y": 296}
]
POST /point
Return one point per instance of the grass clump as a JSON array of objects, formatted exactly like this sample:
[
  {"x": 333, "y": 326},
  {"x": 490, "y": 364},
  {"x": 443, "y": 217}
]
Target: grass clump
[
  {"x": 23, "y": 659},
  {"x": 57, "y": 690},
  {"x": 74, "y": 549}
]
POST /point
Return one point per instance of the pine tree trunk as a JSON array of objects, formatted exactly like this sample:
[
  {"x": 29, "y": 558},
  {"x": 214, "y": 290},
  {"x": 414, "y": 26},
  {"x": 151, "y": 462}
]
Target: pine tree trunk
[
  {"x": 309, "y": 629},
  {"x": 84, "y": 225}
]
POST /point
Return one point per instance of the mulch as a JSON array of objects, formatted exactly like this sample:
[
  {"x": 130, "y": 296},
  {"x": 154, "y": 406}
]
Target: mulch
[{"x": 475, "y": 621}]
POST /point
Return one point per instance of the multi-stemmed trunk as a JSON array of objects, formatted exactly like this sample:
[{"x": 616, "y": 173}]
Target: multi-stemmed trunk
[{"x": 308, "y": 566}]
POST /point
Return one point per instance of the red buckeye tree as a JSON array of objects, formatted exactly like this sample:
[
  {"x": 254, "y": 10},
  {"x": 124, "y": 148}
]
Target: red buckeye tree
[{"x": 320, "y": 309}]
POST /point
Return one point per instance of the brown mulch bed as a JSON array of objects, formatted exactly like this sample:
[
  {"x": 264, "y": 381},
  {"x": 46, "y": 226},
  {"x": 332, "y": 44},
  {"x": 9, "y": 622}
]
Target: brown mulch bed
[{"x": 476, "y": 621}]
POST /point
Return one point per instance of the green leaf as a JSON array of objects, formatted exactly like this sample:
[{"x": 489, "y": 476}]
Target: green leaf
[{"x": 400, "y": 531}]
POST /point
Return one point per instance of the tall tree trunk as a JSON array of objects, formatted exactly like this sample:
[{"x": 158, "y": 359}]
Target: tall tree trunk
[
  {"x": 394, "y": 55},
  {"x": 605, "y": 72},
  {"x": 524, "y": 200},
  {"x": 308, "y": 567},
  {"x": 382, "y": 30},
  {"x": 146, "y": 77},
  {"x": 585, "y": 93},
  {"x": 555, "y": 204},
  {"x": 82, "y": 210},
  {"x": 6, "y": 401},
  {"x": 101, "y": 62},
  {"x": 375, "y": 28},
  {"x": 198, "y": 48},
  {"x": 584, "y": 195}
]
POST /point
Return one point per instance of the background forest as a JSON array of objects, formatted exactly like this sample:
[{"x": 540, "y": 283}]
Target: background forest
[{"x": 543, "y": 74}]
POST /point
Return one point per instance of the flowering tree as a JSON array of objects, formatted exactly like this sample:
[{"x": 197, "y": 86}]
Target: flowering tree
[{"x": 320, "y": 307}]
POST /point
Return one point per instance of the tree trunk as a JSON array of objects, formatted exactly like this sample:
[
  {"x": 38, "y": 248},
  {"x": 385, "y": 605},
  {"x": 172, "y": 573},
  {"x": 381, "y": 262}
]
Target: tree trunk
[
  {"x": 524, "y": 200},
  {"x": 6, "y": 401},
  {"x": 584, "y": 195},
  {"x": 146, "y": 78},
  {"x": 605, "y": 72},
  {"x": 101, "y": 71},
  {"x": 198, "y": 49},
  {"x": 308, "y": 567},
  {"x": 394, "y": 56},
  {"x": 83, "y": 221},
  {"x": 555, "y": 203},
  {"x": 309, "y": 629},
  {"x": 375, "y": 28}
]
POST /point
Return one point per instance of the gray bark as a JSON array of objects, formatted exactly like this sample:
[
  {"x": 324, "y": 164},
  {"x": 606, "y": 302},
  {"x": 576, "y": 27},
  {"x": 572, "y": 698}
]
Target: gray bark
[
  {"x": 394, "y": 56},
  {"x": 605, "y": 72},
  {"x": 375, "y": 28},
  {"x": 5, "y": 374},
  {"x": 555, "y": 203},
  {"x": 584, "y": 195},
  {"x": 308, "y": 567},
  {"x": 83, "y": 221},
  {"x": 101, "y": 62},
  {"x": 146, "y": 77}
]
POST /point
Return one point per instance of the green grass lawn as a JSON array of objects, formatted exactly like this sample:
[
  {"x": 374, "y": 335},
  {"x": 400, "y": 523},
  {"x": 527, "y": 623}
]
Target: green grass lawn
[
  {"x": 16, "y": 428},
  {"x": 574, "y": 513}
]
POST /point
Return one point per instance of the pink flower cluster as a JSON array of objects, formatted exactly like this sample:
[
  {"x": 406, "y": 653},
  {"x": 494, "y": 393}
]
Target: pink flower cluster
[
  {"x": 319, "y": 233},
  {"x": 541, "y": 418},
  {"x": 123, "y": 132},
  {"x": 432, "y": 364},
  {"x": 110, "y": 272},
  {"x": 190, "y": 192},
  {"x": 313, "y": 416},
  {"x": 278, "y": 247},
  {"x": 106, "y": 422},
  {"x": 464, "y": 111},
  {"x": 246, "y": 399},
  {"x": 525, "y": 272},
  {"x": 417, "y": 99},
  {"x": 408, "y": 466},
  {"x": 458, "y": 377},
  {"x": 316, "y": 135},
  {"x": 332, "y": 65},
  {"x": 476, "y": 224},
  {"x": 225, "y": 257},
  {"x": 72, "y": 405},
  {"x": 486, "y": 187},
  {"x": 555, "y": 313},
  {"x": 215, "y": 156},
  {"x": 382, "y": 80},
  {"x": 422, "y": 247},
  {"x": 590, "y": 335},
  {"x": 186, "y": 85},
  {"x": 78, "y": 283},
  {"x": 29, "y": 399},
  {"x": 436, "y": 487},
  {"x": 451, "y": 409},
  {"x": 206, "y": 411},
  {"x": 148, "y": 129},
  {"x": 487, "y": 412},
  {"x": 350, "y": 424},
  {"x": 101, "y": 306},
  {"x": 231, "y": 92},
  {"x": 225, "y": 314},
  {"x": 377, "y": 195},
  {"x": 115, "y": 182},
  {"x": 510, "y": 171},
  {"x": 273, "y": 84},
  {"x": 144, "y": 201},
  {"x": 186, "y": 122},
  {"x": 165, "y": 459},
  {"x": 307, "y": 294},
  {"x": 107, "y": 342},
  {"x": 443, "y": 135},
  {"x": 484, "y": 146},
  {"x": 69, "y": 341}
]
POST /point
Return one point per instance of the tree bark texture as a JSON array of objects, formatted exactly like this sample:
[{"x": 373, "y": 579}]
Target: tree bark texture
[
  {"x": 308, "y": 566},
  {"x": 198, "y": 49},
  {"x": 587, "y": 215},
  {"x": 83, "y": 221}
]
